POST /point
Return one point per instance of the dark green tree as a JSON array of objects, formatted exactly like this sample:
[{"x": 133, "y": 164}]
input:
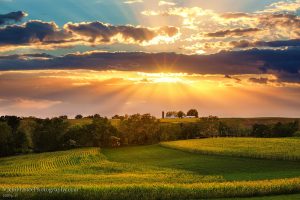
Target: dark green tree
[
  {"x": 101, "y": 131},
  {"x": 180, "y": 114},
  {"x": 12, "y": 121},
  {"x": 261, "y": 130},
  {"x": 6, "y": 140},
  {"x": 21, "y": 141},
  {"x": 78, "y": 117},
  {"x": 193, "y": 112},
  {"x": 49, "y": 133},
  {"x": 139, "y": 129}
]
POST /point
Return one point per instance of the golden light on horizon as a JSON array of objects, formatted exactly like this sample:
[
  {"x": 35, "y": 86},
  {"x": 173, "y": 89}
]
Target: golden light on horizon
[{"x": 120, "y": 92}]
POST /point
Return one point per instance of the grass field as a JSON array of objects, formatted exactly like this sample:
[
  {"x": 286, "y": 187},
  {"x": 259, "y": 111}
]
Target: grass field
[
  {"x": 178, "y": 120},
  {"x": 143, "y": 172},
  {"x": 84, "y": 121},
  {"x": 275, "y": 148},
  {"x": 246, "y": 122}
]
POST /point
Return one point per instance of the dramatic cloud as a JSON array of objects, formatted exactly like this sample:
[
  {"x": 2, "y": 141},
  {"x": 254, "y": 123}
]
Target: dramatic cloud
[
  {"x": 259, "y": 80},
  {"x": 12, "y": 17},
  {"x": 234, "y": 32},
  {"x": 284, "y": 64},
  {"x": 194, "y": 30},
  {"x": 38, "y": 33},
  {"x": 106, "y": 33},
  {"x": 207, "y": 31},
  {"x": 275, "y": 44},
  {"x": 32, "y": 32}
]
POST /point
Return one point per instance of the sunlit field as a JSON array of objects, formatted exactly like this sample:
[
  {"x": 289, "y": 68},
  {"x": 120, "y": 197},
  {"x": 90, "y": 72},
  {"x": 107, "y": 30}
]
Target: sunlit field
[
  {"x": 274, "y": 148},
  {"x": 244, "y": 121},
  {"x": 148, "y": 172},
  {"x": 84, "y": 121}
]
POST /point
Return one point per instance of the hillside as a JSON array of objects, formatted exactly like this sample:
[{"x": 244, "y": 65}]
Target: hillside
[{"x": 144, "y": 172}]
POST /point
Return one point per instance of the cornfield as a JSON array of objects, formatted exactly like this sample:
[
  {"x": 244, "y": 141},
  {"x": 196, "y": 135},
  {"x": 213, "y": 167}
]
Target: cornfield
[
  {"x": 265, "y": 148},
  {"x": 91, "y": 173}
]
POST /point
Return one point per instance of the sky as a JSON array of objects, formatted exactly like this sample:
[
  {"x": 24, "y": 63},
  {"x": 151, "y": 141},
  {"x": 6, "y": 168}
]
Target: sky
[{"x": 227, "y": 58}]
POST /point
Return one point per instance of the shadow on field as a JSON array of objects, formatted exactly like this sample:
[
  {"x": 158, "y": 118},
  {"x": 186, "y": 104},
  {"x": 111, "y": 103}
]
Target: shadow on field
[{"x": 230, "y": 168}]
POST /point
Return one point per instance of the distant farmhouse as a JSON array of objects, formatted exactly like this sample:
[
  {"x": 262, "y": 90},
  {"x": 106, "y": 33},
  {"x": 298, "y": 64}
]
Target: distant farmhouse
[
  {"x": 174, "y": 116},
  {"x": 189, "y": 117}
]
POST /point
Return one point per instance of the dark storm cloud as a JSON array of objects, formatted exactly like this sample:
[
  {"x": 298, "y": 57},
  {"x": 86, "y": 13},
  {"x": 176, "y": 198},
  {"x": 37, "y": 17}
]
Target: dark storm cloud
[
  {"x": 48, "y": 33},
  {"x": 234, "y": 32},
  {"x": 259, "y": 80},
  {"x": 279, "y": 43},
  {"x": 30, "y": 33},
  {"x": 235, "y": 78},
  {"x": 12, "y": 17},
  {"x": 104, "y": 32},
  {"x": 285, "y": 64}
]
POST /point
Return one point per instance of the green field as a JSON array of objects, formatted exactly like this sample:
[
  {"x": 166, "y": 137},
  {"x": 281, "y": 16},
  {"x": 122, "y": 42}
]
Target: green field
[
  {"x": 179, "y": 120},
  {"x": 246, "y": 122},
  {"x": 274, "y": 148},
  {"x": 144, "y": 172},
  {"x": 84, "y": 121}
]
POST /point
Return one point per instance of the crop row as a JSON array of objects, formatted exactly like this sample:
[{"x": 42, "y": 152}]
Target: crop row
[
  {"x": 49, "y": 162},
  {"x": 274, "y": 149},
  {"x": 159, "y": 191}
]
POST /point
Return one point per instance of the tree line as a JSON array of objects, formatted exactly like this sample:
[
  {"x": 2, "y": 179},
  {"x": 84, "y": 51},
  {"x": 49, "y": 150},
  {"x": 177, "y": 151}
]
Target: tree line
[
  {"x": 181, "y": 114},
  {"x": 25, "y": 135}
]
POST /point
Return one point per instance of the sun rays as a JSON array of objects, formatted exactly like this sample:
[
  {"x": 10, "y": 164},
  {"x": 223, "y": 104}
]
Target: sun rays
[{"x": 120, "y": 92}]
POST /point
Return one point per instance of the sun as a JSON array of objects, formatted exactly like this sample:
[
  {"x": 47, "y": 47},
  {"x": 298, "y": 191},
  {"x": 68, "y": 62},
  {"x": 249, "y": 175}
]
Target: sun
[
  {"x": 165, "y": 77},
  {"x": 167, "y": 80}
]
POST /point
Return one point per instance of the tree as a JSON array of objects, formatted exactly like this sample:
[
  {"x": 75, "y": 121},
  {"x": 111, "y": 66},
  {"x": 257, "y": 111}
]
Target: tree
[
  {"x": 224, "y": 129},
  {"x": 296, "y": 134},
  {"x": 285, "y": 129},
  {"x": 12, "y": 121},
  {"x": 78, "y": 117},
  {"x": 27, "y": 126},
  {"x": 101, "y": 131},
  {"x": 180, "y": 114},
  {"x": 6, "y": 141},
  {"x": 171, "y": 114},
  {"x": 118, "y": 117},
  {"x": 261, "y": 130},
  {"x": 209, "y": 126},
  {"x": 169, "y": 131},
  {"x": 79, "y": 134},
  {"x": 139, "y": 129},
  {"x": 190, "y": 130},
  {"x": 49, "y": 133},
  {"x": 21, "y": 141},
  {"x": 192, "y": 112},
  {"x": 97, "y": 116}
]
